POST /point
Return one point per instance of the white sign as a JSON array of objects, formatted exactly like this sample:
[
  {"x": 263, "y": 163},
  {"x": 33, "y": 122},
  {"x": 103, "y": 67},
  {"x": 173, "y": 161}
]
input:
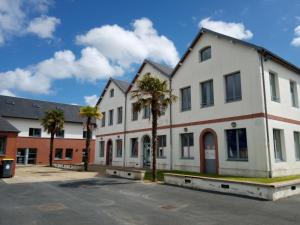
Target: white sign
[
  {"x": 7, "y": 167},
  {"x": 210, "y": 154}
]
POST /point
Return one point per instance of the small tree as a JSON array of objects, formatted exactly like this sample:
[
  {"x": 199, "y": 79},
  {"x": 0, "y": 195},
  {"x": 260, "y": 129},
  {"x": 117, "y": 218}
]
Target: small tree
[
  {"x": 89, "y": 113},
  {"x": 53, "y": 122},
  {"x": 154, "y": 92}
]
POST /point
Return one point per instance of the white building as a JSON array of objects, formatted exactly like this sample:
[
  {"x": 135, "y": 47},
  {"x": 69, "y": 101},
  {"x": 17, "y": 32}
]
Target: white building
[{"x": 237, "y": 113}]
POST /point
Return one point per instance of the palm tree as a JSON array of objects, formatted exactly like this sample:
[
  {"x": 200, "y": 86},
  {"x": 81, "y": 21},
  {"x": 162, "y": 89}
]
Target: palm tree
[
  {"x": 89, "y": 113},
  {"x": 53, "y": 121},
  {"x": 152, "y": 92}
]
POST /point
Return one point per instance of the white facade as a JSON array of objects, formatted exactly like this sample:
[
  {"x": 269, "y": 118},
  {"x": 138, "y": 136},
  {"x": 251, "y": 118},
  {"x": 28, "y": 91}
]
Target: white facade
[{"x": 245, "y": 118}]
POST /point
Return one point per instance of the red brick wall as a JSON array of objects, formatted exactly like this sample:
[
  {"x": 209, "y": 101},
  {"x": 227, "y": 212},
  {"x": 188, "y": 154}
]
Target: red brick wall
[
  {"x": 10, "y": 147},
  {"x": 43, "y": 145}
]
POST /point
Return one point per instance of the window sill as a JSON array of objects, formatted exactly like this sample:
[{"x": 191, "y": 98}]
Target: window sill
[
  {"x": 68, "y": 159},
  {"x": 188, "y": 158},
  {"x": 233, "y": 100},
  {"x": 206, "y": 106},
  {"x": 238, "y": 160},
  {"x": 57, "y": 159},
  {"x": 186, "y": 110},
  {"x": 2, "y": 155}
]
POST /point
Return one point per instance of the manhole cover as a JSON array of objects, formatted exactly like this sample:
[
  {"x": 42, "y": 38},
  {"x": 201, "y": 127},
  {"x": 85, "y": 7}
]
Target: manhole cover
[
  {"x": 51, "y": 207},
  {"x": 168, "y": 207}
]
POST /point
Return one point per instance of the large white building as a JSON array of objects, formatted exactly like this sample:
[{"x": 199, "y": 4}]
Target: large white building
[{"x": 237, "y": 113}]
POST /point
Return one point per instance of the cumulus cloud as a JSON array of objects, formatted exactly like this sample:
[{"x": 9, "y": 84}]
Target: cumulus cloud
[
  {"x": 296, "y": 41},
  {"x": 7, "y": 93},
  {"x": 236, "y": 30},
  {"x": 126, "y": 47},
  {"x": 43, "y": 26},
  {"x": 15, "y": 18},
  {"x": 91, "y": 100}
]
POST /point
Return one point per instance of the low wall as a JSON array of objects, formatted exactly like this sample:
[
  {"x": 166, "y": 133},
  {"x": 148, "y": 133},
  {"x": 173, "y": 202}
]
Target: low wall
[
  {"x": 78, "y": 167},
  {"x": 126, "y": 173},
  {"x": 256, "y": 190}
]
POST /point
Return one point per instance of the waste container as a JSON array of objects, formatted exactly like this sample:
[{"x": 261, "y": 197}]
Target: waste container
[{"x": 7, "y": 168}]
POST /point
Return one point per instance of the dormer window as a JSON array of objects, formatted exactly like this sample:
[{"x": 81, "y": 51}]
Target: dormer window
[
  {"x": 205, "y": 54},
  {"x": 111, "y": 93}
]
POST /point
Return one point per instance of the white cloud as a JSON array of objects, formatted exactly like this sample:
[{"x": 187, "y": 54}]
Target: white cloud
[
  {"x": 15, "y": 17},
  {"x": 7, "y": 93},
  {"x": 91, "y": 100},
  {"x": 296, "y": 41},
  {"x": 126, "y": 47},
  {"x": 236, "y": 30},
  {"x": 43, "y": 26}
]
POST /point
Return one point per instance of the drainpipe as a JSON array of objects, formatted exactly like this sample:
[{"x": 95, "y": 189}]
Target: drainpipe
[
  {"x": 266, "y": 114},
  {"x": 125, "y": 128},
  {"x": 171, "y": 133}
]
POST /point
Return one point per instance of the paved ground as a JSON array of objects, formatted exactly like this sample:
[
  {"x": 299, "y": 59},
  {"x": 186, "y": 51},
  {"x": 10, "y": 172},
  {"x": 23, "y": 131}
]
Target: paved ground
[{"x": 104, "y": 201}]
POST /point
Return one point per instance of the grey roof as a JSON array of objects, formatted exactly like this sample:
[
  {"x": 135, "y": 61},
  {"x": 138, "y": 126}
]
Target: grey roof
[
  {"x": 35, "y": 109},
  {"x": 123, "y": 85},
  {"x": 265, "y": 52},
  {"x": 161, "y": 67},
  {"x": 5, "y": 126}
]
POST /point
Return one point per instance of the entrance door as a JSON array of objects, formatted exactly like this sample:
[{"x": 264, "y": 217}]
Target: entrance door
[
  {"x": 26, "y": 156},
  {"x": 146, "y": 151},
  {"x": 21, "y": 152},
  {"x": 210, "y": 153},
  {"x": 109, "y": 152}
]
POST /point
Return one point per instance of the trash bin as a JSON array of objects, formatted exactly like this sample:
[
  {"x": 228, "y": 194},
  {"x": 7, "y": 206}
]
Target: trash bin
[{"x": 7, "y": 168}]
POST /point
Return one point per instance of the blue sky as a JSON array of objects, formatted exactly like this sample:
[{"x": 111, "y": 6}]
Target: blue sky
[{"x": 65, "y": 50}]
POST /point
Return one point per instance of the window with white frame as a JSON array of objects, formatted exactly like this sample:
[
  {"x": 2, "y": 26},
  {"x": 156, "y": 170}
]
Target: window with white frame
[
  {"x": 162, "y": 144},
  {"x": 185, "y": 98},
  {"x": 233, "y": 87},
  {"x": 119, "y": 145},
  {"x": 146, "y": 114},
  {"x": 134, "y": 147},
  {"x": 187, "y": 145},
  {"x": 35, "y": 132},
  {"x": 111, "y": 93},
  {"x": 277, "y": 143},
  {"x": 274, "y": 87},
  {"x": 162, "y": 110},
  {"x": 135, "y": 114},
  {"x": 207, "y": 93},
  {"x": 297, "y": 145},
  {"x": 110, "y": 117},
  {"x": 60, "y": 134},
  {"x": 294, "y": 93},
  {"x": 120, "y": 114},
  {"x": 58, "y": 153},
  {"x": 101, "y": 148},
  {"x": 237, "y": 144},
  {"x": 103, "y": 119},
  {"x": 69, "y": 153},
  {"x": 205, "y": 54}
]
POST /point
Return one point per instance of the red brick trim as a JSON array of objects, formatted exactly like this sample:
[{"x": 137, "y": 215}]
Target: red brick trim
[
  {"x": 67, "y": 139},
  {"x": 282, "y": 119}
]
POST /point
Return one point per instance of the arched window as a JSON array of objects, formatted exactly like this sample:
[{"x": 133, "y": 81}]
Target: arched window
[{"x": 205, "y": 53}]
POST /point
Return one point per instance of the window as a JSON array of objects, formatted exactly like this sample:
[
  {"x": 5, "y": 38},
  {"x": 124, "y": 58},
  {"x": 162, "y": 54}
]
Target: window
[
  {"x": 103, "y": 119},
  {"x": 162, "y": 109},
  {"x": 84, "y": 134},
  {"x": 233, "y": 87},
  {"x": 277, "y": 144},
  {"x": 297, "y": 145},
  {"x": 35, "y": 132},
  {"x": 185, "y": 99},
  {"x": 187, "y": 145},
  {"x": 58, "y": 153},
  {"x": 2, "y": 145},
  {"x": 60, "y": 134},
  {"x": 207, "y": 93},
  {"x": 135, "y": 114},
  {"x": 162, "y": 143},
  {"x": 120, "y": 114},
  {"x": 205, "y": 54},
  {"x": 134, "y": 147},
  {"x": 101, "y": 148},
  {"x": 294, "y": 93},
  {"x": 110, "y": 117},
  {"x": 237, "y": 144},
  {"x": 274, "y": 87},
  {"x": 146, "y": 114},
  {"x": 119, "y": 148},
  {"x": 111, "y": 93},
  {"x": 69, "y": 153}
]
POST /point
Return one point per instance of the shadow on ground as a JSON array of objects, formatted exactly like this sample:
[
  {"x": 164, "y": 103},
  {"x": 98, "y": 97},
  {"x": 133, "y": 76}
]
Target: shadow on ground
[{"x": 93, "y": 183}]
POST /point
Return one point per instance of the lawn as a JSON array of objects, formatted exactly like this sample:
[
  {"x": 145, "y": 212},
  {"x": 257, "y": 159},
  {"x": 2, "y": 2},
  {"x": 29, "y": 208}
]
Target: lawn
[{"x": 160, "y": 177}]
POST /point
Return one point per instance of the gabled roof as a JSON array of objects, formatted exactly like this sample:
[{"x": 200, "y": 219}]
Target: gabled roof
[
  {"x": 265, "y": 52},
  {"x": 35, "y": 109},
  {"x": 121, "y": 84},
  {"x": 164, "y": 69},
  {"x": 5, "y": 126}
]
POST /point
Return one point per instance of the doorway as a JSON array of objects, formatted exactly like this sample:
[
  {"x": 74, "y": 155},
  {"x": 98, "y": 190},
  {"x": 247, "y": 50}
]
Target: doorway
[
  {"x": 26, "y": 156},
  {"x": 109, "y": 152},
  {"x": 146, "y": 151},
  {"x": 209, "y": 160}
]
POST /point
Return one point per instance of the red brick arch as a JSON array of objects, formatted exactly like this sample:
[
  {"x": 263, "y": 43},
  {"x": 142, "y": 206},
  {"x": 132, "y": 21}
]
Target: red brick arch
[{"x": 202, "y": 150}]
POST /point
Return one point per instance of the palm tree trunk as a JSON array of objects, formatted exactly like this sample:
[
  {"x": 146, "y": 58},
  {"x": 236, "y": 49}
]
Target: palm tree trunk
[
  {"x": 87, "y": 144},
  {"x": 51, "y": 150},
  {"x": 154, "y": 140}
]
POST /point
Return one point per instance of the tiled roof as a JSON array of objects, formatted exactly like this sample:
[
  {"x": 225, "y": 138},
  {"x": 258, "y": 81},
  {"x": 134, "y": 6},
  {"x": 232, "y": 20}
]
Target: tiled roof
[{"x": 5, "y": 126}]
